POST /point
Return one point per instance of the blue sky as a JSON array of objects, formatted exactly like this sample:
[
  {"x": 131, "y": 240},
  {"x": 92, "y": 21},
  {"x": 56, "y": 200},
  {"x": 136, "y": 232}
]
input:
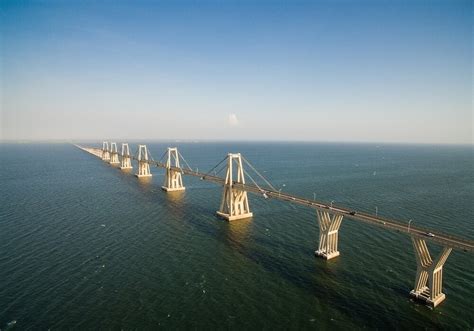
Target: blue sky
[{"x": 377, "y": 71}]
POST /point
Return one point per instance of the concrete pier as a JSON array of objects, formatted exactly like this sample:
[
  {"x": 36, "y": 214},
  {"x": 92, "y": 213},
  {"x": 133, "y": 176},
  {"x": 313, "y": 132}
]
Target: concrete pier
[
  {"x": 126, "y": 160},
  {"x": 429, "y": 273},
  {"x": 114, "y": 154},
  {"x": 105, "y": 151},
  {"x": 173, "y": 179},
  {"x": 235, "y": 203},
  {"x": 328, "y": 234},
  {"x": 143, "y": 164}
]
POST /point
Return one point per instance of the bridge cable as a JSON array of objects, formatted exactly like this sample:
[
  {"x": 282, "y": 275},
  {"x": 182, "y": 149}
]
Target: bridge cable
[
  {"x": 135, "y": 156},
  {"x": 253, "y": 181},
  {"x": 187, "y": 164},
  {"x": 224, "y": 166},
  {"x": 161, "y": 158},
  {"x": 150, "y": 156},
  {"x": 218, "y": 164},
  {"x": 260, "y": 175}
]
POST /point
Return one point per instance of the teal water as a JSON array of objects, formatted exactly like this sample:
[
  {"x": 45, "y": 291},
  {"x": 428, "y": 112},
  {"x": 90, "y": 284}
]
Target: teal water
[{"x": 84, "y": 245}]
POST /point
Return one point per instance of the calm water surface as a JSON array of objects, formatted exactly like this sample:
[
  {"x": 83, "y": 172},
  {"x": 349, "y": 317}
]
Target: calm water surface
[{"x": 84, "y": 245}]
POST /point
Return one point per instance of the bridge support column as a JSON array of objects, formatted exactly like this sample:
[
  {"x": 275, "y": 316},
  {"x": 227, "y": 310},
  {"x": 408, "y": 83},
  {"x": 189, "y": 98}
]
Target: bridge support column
[
  {"x": 173, "y": 179},
  {"x": 429, "y": 273},
  {"x": 105, "y": 151},
  {"x": 328, "y": 234},
  {"x": 126, "y": 162},
  {"x": 113, "y": 154},
  {"x": 234, "y": 204},
  {"x": 143, "y": 165}
]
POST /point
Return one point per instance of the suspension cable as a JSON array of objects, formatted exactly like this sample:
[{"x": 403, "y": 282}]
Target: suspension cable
[
  {"x": 220, "y": 170},
  {"x": 135, "y": 156},
  {"x": 207, "y": 173},
  {"x": 260, "y": 175},
  {"x": 185, "y": 162},
  {"x": 253, "y": 181},
  {"x": 149, "y": 155},
  {"x": 162, "y": 156}
]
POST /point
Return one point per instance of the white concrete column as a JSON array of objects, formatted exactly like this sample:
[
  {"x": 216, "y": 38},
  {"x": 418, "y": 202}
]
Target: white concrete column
[
  {"x": 328, "y": 234},
  {"x": 113, "y": 154},
  {"x": 234, "y": 203},
  {"x": 429, "y": 273},
  {"x": 143, "y": 165},
  {"x": 105, "y": 151},
  {"x": 173, "y": 179},
  {"x": 126, "y": 160}
]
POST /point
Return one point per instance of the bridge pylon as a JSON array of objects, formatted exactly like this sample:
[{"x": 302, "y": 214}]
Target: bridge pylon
[
  {"x": 173, "y": 179},
  {"x": 429, "y": 273},
  {"x": 234, "y": 204},
  {"x": 126, "y": 160},
  {"x": 143, "y": 165},
  {"x": 328, "y": 234},
  {"x": 105, "y": 151},
  {"x": 113, "y": 154}
]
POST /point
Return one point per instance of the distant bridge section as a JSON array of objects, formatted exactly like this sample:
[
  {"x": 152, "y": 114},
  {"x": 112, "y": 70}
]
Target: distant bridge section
[{"x": 234, "y": 206}]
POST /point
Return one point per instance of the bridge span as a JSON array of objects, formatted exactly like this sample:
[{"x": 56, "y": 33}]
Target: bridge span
[{"x": 234, "y": 206}]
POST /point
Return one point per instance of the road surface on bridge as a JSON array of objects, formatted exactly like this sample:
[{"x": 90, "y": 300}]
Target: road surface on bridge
[{"x": 390, "y": 224}]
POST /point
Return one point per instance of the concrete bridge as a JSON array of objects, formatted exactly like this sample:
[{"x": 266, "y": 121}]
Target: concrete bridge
[{"x": 235, "y": 205}]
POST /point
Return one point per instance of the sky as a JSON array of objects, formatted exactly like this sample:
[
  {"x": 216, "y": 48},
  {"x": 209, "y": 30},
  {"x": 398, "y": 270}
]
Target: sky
[{"x": 348, "y": 71}]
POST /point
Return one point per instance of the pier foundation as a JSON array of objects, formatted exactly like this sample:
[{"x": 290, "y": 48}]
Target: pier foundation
[
  {"x": 126, "y": 160},
  {"x": 235, "y": 203},
  {"x": 143, "y": 165},
  {"x": 328, "y": 234},
  {"x": 173, "y": 179},
  {"x": 105, "y": 151},
  {"x": 113, "y": 154},
  {"x": 429, "y": 274}
]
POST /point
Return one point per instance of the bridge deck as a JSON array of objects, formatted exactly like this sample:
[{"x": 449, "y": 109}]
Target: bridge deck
[{"x": 391, "y": 224}]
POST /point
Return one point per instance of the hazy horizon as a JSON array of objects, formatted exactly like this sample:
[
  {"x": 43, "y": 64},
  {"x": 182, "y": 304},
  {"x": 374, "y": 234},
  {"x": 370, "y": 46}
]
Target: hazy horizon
[
  {"x": 219, "y": 141},
  {"x": 365, "y": 72}
]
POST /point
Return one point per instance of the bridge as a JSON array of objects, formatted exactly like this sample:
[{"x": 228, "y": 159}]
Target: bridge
[{"x": 235, "y": 205}]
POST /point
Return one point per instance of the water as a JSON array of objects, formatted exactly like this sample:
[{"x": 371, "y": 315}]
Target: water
[{"x": 84, "y": 245}]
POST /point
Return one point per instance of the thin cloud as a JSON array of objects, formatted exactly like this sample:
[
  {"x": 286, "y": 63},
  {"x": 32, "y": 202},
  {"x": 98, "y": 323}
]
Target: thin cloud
[{"x": 233, "y": 120}]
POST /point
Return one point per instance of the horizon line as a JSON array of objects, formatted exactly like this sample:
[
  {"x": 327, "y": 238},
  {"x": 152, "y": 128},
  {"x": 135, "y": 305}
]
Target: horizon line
[{"x": 190, "y": 140}]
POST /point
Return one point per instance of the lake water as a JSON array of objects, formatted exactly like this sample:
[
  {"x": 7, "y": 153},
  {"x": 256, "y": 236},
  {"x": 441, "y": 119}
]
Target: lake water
[{"x": 85, "y": 245}]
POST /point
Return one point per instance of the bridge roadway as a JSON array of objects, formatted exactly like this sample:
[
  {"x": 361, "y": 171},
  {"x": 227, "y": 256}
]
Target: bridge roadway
[{"x": 439, "y": 238}]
